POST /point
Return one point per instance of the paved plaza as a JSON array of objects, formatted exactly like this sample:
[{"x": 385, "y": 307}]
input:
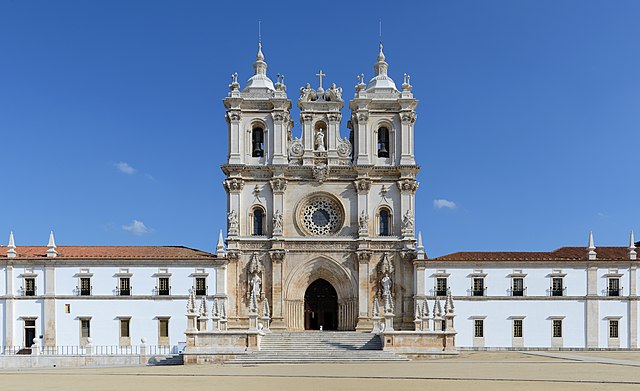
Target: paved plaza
[{"x": 476, "y": 370}]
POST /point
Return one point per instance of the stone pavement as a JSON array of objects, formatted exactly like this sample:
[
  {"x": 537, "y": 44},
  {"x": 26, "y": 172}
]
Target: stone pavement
[{"x": 480, "y": 371}]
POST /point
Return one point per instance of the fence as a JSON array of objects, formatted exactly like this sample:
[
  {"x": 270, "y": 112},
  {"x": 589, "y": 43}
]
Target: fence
[{"x": 95, "y": 350}]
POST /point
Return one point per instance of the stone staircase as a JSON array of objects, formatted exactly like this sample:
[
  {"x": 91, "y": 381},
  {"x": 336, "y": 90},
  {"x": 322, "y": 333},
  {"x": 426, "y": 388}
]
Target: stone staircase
[
  {"x": 318, "y": 346},
  {"x": 175, "y": 359}
]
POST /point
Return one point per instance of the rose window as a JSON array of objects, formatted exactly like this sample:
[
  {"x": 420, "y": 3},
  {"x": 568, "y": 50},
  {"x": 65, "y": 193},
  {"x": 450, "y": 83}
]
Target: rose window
[{"x": 321, "y": 216}]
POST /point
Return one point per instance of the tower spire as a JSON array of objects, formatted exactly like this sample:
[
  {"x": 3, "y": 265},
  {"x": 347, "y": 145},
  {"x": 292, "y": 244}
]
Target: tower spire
[
  {"x": 51, "y": 246},
  {"x": 11, "y": 247},
  {"x": 591, "y": 248},
  {"x": 220, "y": 245},
  {"x": 632, "y": 247},
  {"x": 259, "y": 78}
]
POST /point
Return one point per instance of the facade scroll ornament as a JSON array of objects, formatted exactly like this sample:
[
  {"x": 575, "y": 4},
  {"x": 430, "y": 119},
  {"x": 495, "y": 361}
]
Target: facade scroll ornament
[
  {"x": 363, "y": 117},
  {"x": 333, "y": 93},
  {"x": 344, "y": 147},
  {"x": 233, "y": 116},
  {"x": 307, "y": 94},
  {"x": 277, "y": 256},
  {"x": 408, "y": 117},
  {"x": 278, "y": 185},
  {"x": 232, "y": 220},
  {"x": 296, "y": 149}
]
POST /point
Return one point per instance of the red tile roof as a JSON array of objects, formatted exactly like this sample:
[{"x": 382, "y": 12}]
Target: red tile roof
[
  {"x": 561, "y": 254},
  {"x": 113, "y": 252}
]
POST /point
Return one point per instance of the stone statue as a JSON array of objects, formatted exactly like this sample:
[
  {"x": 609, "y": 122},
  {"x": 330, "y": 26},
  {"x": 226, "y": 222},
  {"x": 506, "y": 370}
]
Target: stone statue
[
  {"x": 232, "y": 218},
  {"x": 277, "y": 221},
  {"x": 364, "y": 221},
  {"x": 307, "y": 93},
  {"x": 320, "y": 140},
  {"x": 407, "y": 221},
  {"x": 386, "y": 285},
  {"x": 334, "y": 93},
  {"x": 256, "y": 285}
]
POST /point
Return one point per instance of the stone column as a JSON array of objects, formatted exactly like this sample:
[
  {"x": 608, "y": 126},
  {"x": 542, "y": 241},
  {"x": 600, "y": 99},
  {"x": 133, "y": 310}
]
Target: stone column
[
  {"x": 633, "y": 308},
  {"x": 221, "y": 279},
  {"x": 49, "y": 304},
  {"x": 236, "y": 138},
  {"x": 233, "y": 287},
  {"x": 234, "y": 186},
  {"x": 363, "y": 138},
  {"x": 279, "y": 148},
  {"x": 278, "y": 188},
  {"x": 407, "y": 187},
  {"x": 333, "y": 134},
  {"x": 277, "y": 302},
  {"x": 307, "y": 138},
  {"x": 363, "y": 185},
  {"x": 9, "y": 308},
  {"x": 406, "y": 138},
  {"x": 364, "y": 321},
  {"x": 592, "y": 307}
]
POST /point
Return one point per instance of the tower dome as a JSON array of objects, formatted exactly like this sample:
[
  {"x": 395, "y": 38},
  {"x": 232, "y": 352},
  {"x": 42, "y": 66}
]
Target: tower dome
[
  {"x": 381, "y": 81},
  {"x": 259, "y": 80}
]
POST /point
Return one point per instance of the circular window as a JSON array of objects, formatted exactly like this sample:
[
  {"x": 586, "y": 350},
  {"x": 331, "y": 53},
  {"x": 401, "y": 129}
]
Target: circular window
[{"x": 320, "y": 216}]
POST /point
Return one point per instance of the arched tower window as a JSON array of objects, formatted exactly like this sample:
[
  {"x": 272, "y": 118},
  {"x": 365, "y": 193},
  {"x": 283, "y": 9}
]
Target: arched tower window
[
  {"x": 383, "y": 142},
  {"x": 257, "y": 142},
  {"x": 257, "y": 221},
  {"x": 384, "y": 222}
]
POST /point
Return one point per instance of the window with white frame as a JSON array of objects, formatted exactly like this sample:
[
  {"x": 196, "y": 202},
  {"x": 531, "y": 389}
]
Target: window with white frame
[
  {"x": 517, "y": 328},
  {"x": 478, "y": 328},
  {"x": 556, "y": 325},
  {"x": 614, "y": 328}
]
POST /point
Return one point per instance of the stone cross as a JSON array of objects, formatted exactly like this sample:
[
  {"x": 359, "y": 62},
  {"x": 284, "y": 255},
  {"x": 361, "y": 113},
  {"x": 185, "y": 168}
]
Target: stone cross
[{"x": 320, "y": 75}]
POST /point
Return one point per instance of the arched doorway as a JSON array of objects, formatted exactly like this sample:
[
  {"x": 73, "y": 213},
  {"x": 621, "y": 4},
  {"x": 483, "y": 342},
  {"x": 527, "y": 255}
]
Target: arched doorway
[{"x": 320, "y": 306}]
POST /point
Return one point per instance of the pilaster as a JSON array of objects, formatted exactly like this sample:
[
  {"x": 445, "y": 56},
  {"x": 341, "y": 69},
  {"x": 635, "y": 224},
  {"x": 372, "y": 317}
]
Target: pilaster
[
  {"x": 633, "y": 308},
  {"x": 592, "y": 309},
  {"x": 277, "y": 302},
  {"x": 364, "y": 321},
  {"x": 49, "y": 304},
  {"x": 363, "y": 138},
  {"x": 9, "y": 317}
]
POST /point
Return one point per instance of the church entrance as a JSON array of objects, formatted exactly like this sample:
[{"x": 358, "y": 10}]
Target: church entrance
[{"x": 320, "y": 306}]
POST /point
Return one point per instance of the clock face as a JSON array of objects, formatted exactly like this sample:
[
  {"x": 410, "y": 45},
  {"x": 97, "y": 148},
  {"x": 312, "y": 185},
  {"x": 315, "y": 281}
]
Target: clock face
[{"x": 320, "y": 216}]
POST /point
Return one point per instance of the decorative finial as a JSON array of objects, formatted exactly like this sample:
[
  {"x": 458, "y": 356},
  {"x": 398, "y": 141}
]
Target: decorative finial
[
  {"x": 11, "y": 247},
  {"x": 380, "y": 32},
  {"x": 220, "y": 245},
  {"x": 204, "y": 312},
  {"x": 51, "y": 246},
  {"x": 591, "y": 247},
  {"x": 632, "y": 247},
  {"x": 259, "y": 31}
]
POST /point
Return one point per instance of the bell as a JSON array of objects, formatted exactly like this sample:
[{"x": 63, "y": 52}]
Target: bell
[
  {"x": 383, "y": 152},
  {"x": 257, "y": 149}
]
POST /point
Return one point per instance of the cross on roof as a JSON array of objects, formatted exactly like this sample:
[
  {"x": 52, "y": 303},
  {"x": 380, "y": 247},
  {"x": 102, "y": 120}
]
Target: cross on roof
[{"x": 320, "y": 75}]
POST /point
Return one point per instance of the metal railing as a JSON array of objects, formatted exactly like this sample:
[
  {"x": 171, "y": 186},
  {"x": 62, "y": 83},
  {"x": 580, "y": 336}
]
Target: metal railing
[
  {"x": 28, "y": 292},
  {"x": 517, "y": 292},
  {"x": 201, "y": 291},
  {"x": 83, "y": 291},
  {"x": 478, "y": 292},
  {"x": 557, "y": 291},
  {"x": 99, "y": 350},
  {"x": 123, "y": 291},
  {"x": 612, "y": 292},
  {"x": 162, "y": 291}
]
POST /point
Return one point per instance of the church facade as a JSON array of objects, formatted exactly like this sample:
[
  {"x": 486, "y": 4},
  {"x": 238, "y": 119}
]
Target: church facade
[
  {"x": 320, "y": 219},
  {"x": 320, "y": 236}
]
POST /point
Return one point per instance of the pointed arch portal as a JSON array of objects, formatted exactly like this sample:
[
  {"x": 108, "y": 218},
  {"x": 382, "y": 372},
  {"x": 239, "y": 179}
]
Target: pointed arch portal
[{"x": 320, "y": 306}]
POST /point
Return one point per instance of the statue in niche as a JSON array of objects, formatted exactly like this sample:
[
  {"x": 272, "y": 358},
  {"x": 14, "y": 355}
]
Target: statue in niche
[
  {"x": 256, "y": 285},
  {"x": 277, "y": 221},
  {"x": 232, "y": 218},
  {"x": 386, "y": 283},
  {"x": 364, "y": 221},
  {"x": 320, "y": 140}
]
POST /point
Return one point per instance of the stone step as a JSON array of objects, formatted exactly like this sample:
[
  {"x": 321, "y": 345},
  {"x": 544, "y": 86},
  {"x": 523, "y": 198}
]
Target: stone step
[{"x": 175, "y": 359}]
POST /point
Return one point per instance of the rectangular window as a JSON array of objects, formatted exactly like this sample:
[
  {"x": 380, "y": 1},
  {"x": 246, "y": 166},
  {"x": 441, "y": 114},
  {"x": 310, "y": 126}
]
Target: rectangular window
[
  {"x": 613, "y": 286},
  {"x": 85, "y": 328},
  {"x": 557, "y": 286},
  {"x": 441, "y": 286},
  {"x": 85, "y": 286},
  {"x": 517, "y": 286},
  {"x": 124, "y": 288},
  {"x": 29, "y": 286},
  {"x": 201, "y": 286},
  {"x": 557, "y": 328},
  {"x": 124, "y": 328},
  {"x": 517, "y": 328},
  {"x": 613, "y": 328},
  {"x": 478, "y": 328},
  {"x": 163, "y": 286},
  {"x": 163, "y": 325},
  {"x": 478, "y": 286}
]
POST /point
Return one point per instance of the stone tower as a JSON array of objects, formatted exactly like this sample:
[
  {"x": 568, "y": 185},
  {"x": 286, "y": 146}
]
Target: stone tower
[{"x": 317, "y": 222}]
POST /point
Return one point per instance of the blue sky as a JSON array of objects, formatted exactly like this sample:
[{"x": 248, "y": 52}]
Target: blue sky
[{"x": 112, "y": 127}]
